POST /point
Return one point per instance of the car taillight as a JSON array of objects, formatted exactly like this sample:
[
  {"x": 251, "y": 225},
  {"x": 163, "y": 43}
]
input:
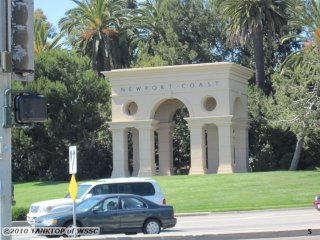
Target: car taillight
[{"x": 164, "y": 202}]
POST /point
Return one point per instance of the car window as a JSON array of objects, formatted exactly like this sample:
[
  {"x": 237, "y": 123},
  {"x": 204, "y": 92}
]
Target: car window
[
  {"x": 124, "y": 188},
  {"x": 100, "y": 189},
  {"x": 87, "y": 204},
  {"x": 82, "y": 188},
  {"x": 110, "y": 204},
  {"x": 139, "y": 188},
  {"x": 143, "y": 189},
  {"x": 132, "y": 203}
]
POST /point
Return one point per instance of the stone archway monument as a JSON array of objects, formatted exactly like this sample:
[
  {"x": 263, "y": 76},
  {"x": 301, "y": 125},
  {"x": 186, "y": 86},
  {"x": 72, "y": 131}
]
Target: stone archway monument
[{"x": 144, "y": 100}]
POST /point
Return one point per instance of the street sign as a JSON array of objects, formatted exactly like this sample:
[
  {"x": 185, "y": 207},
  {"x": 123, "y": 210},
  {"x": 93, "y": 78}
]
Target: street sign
[
  {"x": 72, "y": 159},
  {"x": 73, "y": 188}
]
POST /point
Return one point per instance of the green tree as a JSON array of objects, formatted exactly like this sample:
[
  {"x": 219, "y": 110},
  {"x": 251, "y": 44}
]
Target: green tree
[
  {"x": 176, "y": 32},
  {"x": 270, "y": 146},
  {"x": 96, "y": 29},
  {"x": 198, "y": 26},
  {"x": 78, "y": 109},
  {"x": 301, "y": 71},
  {"x": 248, "y": 21},
  {"x": 181, "y": 142},
  {"x": 296, "y": 104}
]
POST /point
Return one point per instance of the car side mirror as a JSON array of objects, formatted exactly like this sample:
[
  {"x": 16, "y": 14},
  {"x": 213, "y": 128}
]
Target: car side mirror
[
  {"x": 89, "y": 195},
  {"x": 95, "y": 209}
]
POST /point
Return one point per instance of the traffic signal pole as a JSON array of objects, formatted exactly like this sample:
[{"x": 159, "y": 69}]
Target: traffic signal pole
[{"x": 5, "y": 133}]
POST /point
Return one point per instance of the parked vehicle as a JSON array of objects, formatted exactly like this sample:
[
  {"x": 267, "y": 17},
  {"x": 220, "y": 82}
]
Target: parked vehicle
[
  {"x": 115, "y": 213},
  {"x": 146, "y": 187}
]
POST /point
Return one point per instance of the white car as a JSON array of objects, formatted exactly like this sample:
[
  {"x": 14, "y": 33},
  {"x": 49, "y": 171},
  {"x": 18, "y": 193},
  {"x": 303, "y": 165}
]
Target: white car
[{"x": 145, "y": 187}]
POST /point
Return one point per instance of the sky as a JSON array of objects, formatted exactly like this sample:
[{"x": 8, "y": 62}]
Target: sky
[{"x": 54, "y": 10}]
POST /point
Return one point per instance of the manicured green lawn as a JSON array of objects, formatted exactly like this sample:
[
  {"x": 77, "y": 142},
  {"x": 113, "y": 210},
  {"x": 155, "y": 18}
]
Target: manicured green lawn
[{"x": 212, "y": 192}]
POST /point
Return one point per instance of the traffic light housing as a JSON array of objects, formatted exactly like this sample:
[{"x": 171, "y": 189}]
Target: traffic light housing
[
  {"x": 30, "y": 108},
  {"x": 22, "y": 39}
]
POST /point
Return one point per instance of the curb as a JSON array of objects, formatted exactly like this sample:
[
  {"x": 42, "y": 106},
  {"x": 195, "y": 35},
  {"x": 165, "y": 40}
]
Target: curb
[
  {"x": 20, "y": 224},
  {"x": 212, "y": 236}
]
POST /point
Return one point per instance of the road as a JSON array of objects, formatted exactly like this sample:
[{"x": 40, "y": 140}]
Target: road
[{"x": 302, "y": 223}]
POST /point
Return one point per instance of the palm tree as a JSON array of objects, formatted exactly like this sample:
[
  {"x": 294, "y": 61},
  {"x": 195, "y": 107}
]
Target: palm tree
[
  {"x": 150, "y": 23},
  {"x": 307, "y": 19},
  {"x": 41, "y": 36},
  {"x": 248, "y": 21},
  {"x": 43, "y": 31},
  {"x": 94, "y": 27}
]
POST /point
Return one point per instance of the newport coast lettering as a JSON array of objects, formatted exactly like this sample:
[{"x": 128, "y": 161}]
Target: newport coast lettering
[{"x": 167, "y": 86}]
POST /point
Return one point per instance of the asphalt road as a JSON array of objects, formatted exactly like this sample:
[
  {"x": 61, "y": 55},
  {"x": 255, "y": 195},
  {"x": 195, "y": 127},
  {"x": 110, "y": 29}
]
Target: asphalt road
[{"x": 302, "y": 223}]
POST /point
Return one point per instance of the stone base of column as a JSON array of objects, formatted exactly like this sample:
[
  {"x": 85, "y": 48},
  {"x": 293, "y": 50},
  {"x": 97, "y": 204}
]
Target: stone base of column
[
  {"x": 165, "y": 173},
  {"x": 225, "y": 169},
  {"x": 241, "y": 169},
  {"x": 212, "y": 170},
  {"x": 196, "y": 171},
  {"x": 145, "y": 173},
  {"x": 118, "y": 174}
]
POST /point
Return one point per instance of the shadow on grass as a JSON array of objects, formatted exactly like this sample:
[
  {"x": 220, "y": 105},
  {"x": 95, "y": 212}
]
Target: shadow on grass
[
  {"x": 49, "y": 183},
  {"x": 45, "y": 183}
]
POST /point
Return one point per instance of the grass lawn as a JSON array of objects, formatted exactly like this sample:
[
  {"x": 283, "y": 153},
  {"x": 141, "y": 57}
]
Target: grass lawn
[{"x": 212, "y": 192}]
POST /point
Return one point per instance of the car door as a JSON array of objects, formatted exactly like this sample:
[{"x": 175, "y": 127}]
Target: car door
[
  {"x": 105, "y": 215},
  {"x": 133, "y": 212}
]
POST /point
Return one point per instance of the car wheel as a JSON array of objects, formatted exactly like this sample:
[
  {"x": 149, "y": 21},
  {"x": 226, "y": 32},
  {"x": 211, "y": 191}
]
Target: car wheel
[
  {"x": 69, "y": 226},
  {"x": 152, "y": 226}
]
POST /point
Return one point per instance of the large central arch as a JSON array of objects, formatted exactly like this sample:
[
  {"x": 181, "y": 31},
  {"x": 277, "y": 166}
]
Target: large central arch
[{"x": 144, "y": 101}]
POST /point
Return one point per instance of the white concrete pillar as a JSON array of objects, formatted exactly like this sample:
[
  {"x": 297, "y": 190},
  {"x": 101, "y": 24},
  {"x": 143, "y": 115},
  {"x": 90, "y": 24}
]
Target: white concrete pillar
[
  {"x": 135, "y": 157},
  {"x": 197, "y": 145},
  {"x": 241, "y": 149},
  {"x": 146, "y": 150},
  {"x": 213, "y": 148},
  {"x": 165, "y": 148},
  {"x": 226, "y": 148},
  {"x": 120, "y": 151}
]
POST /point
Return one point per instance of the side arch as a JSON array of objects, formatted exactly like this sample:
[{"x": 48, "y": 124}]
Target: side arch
[{"x": 239, "y": 110}]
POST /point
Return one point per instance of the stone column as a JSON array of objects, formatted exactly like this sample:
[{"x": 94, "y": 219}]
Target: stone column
[
  {"x": 120, "y": 151},
  {"x": 197, "y": 147},
  {"x": 165, "y": 148},
  {"x": 226, "y": 148},
  {"x": 241, "y": 149},
  {"x": 213, "y": 148},
  {"x": 135, "y": 157},
  {"x": 146, "y": 149}
]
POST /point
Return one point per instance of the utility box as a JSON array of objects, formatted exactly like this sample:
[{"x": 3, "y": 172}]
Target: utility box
[{"x": 30, "y": 108}]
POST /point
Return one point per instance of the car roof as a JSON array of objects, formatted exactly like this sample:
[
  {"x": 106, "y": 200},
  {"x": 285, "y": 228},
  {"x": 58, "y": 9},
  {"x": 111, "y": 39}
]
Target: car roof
[{"x": 118, "y": 180}]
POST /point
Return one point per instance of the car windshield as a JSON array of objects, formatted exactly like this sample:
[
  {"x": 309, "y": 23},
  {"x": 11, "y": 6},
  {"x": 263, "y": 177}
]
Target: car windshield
[
  {"x": 82, "y": 188},
  {"x": 87, "y": 204}
]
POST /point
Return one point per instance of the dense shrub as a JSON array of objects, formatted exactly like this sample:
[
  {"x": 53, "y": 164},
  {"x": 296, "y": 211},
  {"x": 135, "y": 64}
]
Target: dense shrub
[{"x": 19, "y": 213}]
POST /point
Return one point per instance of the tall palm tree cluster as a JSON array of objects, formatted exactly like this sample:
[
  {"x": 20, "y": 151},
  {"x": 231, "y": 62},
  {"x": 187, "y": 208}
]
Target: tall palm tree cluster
[
  {"x": 249, "y": 21},
  {"x": 108, "y": 31},
  {"x": 98, "y": 29}
]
